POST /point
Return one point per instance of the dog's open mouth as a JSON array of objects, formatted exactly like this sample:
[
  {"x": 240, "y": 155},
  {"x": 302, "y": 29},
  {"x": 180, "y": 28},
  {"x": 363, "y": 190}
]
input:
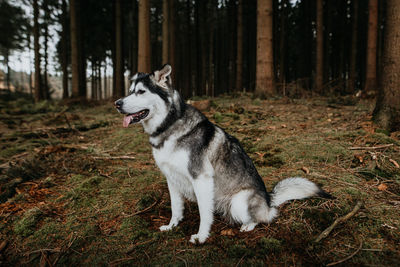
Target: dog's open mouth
[{"x": 135, "y": 117}]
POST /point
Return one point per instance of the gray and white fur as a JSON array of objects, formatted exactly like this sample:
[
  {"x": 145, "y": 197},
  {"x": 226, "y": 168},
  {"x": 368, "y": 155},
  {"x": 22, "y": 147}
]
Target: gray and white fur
[{"x": 201, "y": 162}]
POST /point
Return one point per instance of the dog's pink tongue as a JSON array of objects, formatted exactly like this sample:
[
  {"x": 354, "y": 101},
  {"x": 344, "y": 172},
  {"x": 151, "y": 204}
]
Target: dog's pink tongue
[{"x": 127, "y": 121}]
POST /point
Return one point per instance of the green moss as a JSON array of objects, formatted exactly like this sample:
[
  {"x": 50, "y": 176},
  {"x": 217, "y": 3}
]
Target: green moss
[
  {"x": 27, "y": 224},
  {"x": 269, "y": 244},
  {"x": 217, "y": 117}
]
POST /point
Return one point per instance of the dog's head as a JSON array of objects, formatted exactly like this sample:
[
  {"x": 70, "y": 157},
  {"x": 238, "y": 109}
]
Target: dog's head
[{"x": 149, "y": 95}]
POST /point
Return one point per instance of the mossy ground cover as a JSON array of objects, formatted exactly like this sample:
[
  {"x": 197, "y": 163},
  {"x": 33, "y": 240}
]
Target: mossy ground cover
[{"x": 78, "y": 189}]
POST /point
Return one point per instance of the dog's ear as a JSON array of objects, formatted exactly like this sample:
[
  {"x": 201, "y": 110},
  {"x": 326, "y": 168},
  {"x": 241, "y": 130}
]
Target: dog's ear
[{"x": 163, "y": 76}]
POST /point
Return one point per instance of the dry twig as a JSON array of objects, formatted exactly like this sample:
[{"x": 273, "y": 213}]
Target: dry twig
[
  {"x": 370, "y": 148},
  {"x": 348, "y": 257},
  {"x": 327, "y": 231},
  {"x": 115, "y": 157},
  {"x": 143, "y": 210}
]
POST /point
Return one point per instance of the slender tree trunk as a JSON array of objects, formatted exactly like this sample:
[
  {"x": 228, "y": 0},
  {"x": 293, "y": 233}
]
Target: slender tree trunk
[
  {"x": 172, "y": 38},
  {"x": 319, "y": 66},
  {"x": 105, "y": 86},
  {"x": 353, "y": 56},
  {"x": 387, "y": 110},
  {"x": 46, "y": 40},
  {"x": 189, "y": 51},
  {"x": 93, "y": 82},
  {"x": 239, "y": 48},
  {"x": 38, "y": 88},
  {"x": 119, "y": 89},
  {"x": 98, "y": 76},
  {"x": 64, "y": 50},
  {"x": 210, "y": 91},
  {"x": 30, "y": 68},
  {"x": 371, "y": 79},
  {"x": 8, "y": 69},
  {"x": 144, "y": 64},
  {"x": 282, "y": 42},
  {"x": 265, "y": 86},
  {"x": 165, "y": 32},
  {"x": 77, "y": 60}
]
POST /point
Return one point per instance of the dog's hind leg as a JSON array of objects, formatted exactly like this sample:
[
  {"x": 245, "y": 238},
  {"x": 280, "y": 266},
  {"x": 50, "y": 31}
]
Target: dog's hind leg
[
  {"x": 177, "y": 207},
  {"x": 240, "y": 210},
  {"x": 204, "y": 189}
]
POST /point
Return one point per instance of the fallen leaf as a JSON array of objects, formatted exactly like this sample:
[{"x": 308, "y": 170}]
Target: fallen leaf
[
  {"x": 360, "y": 158},
  {"x": 260, "y": 154},
  {"x": 305, "y": 169},
  {"x": 284, "y": 126},
  {"x": 382, "y": 187},
  {"x": 227, "y": 232},
  {"x": 394, "y": 163}
]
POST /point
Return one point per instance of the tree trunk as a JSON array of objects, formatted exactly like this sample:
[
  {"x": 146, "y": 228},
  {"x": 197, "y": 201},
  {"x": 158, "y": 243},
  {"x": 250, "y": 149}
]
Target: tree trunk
[
  {"x": 353, "y": 56},
  {"x": 144, "y": 64},
  {"x": 319, "y": 66},
  {"x": 64, "y": 50},
  {"x": 165, "y": 32},
  {"x": 172, "y": 38},
  {"x": 371, "y": 79},
  {"x": 282, "y": 44},
  {"x": 239, "y": 48},
  {"x": 119, "y": 89},
  {"x": 105, "y": 85},
  {"x": 188, "y": 87},
  {"x": 265, "y": 66},
  {"x": 387, "y": 110},
  {"x": 77, "y": 62},
  {"x": 46, "y": 40},
  {"x": 38, "y": 88},
  {"x": 8, "y": 69}
]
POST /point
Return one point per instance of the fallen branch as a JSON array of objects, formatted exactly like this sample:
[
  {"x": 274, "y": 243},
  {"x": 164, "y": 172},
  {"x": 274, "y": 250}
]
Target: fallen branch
[
  {"x": 348, "y": 257},
  {"x": 328, "y": 230},
  {"x": 370, "y": 148},
  {"x": 114, "y": 157},
  {"x": 144, "y": 210}
]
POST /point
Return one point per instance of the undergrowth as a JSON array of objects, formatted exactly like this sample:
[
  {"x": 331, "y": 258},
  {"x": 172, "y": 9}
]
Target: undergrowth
[{"x": 68, "y": 196}]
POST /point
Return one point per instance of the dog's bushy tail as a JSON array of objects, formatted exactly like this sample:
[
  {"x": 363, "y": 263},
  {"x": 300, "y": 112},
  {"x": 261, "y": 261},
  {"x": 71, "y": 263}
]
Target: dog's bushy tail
[{"x": 295, "y": 188}]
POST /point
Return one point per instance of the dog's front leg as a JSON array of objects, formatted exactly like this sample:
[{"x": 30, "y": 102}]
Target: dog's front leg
[
  {"x": 177, "y": 206},
  {"x": 204, "y": 189}
]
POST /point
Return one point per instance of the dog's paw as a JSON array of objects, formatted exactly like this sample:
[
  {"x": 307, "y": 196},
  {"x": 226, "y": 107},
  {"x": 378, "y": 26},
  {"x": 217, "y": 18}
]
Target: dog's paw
[
  {"x": 166, "y": 228},
  {"x": 197, "y": 238},
  {"x": 248, "y": 227}
]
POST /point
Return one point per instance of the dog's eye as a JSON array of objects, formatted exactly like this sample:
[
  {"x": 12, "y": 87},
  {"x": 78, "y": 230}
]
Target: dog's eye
[{"x": 140, "y": 92}]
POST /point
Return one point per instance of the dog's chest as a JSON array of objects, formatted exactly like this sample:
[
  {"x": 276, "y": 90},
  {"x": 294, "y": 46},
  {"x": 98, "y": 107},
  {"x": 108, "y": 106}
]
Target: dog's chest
[{"x": 171, "y": 159}]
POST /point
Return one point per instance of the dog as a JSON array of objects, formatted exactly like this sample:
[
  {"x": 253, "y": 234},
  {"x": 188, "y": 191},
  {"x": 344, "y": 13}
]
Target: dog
[{"x": 201, "y": 162}]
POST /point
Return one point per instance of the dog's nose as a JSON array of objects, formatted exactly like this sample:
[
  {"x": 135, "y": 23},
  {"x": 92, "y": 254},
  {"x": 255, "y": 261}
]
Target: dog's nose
[{"x": 118, "y": 103}]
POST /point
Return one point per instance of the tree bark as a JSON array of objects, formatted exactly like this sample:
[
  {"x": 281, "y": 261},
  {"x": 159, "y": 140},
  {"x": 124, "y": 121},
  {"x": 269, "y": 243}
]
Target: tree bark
[
  {"x": 46, "y": 89},
  {"x": 7, "y": 68},
  {"x": 172, "y": 38},
  {"x": 165, "y": 32},
  {"x": 119, "y": 89},
  {"x": 144, "y": 64},
  {"x": 387, "y": 109},
  {"x": 353, "y": 56},
  {"x": 319, "y": 66},
  {"x": 64, "y": 50},
  {"x": 265, "y": 86},
  {"x": 38, "y": 88},
  {"x": 371, "y": 79},
  {"x": 239, "y": 48},
  {"x": 77, "y": 62}
]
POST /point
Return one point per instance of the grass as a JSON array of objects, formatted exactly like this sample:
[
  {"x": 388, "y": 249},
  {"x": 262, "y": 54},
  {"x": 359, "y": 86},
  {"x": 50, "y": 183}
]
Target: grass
[{"x": 65, "y": 198}]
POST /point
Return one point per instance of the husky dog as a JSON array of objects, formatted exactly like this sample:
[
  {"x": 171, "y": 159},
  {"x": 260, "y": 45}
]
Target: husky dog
[{"x": 201, "y": 161}]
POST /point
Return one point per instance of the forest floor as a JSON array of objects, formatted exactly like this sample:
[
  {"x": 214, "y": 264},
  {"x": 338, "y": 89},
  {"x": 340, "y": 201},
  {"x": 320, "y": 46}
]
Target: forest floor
[{"x": 78, "y": 189}]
